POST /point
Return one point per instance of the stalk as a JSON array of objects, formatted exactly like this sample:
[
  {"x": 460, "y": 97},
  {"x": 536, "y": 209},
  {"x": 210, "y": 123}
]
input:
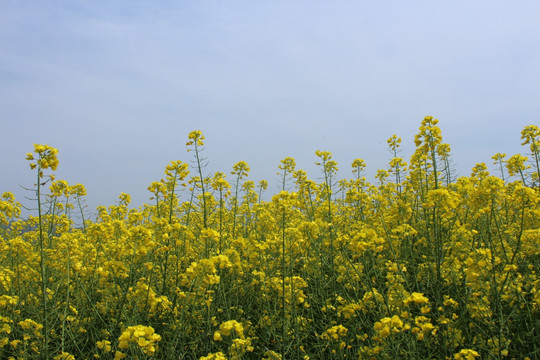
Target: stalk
[
  {"x": 43, "y": 270},
  {"x": 283, "y": 302},
  {"x": 199, "y": 169}
]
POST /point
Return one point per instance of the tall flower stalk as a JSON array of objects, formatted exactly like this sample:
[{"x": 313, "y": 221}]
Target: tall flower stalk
[
  {"x": 45, "y": 158},
  {"x": 196, "y": 142}
]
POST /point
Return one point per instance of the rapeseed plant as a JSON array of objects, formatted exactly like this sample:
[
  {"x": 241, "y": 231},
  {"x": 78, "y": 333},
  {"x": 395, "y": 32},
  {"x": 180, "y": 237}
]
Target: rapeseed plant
[{"x": 418, "y": 265}]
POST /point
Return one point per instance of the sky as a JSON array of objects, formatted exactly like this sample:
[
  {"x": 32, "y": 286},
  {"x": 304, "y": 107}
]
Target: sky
[{"x": 118, "y": 85}]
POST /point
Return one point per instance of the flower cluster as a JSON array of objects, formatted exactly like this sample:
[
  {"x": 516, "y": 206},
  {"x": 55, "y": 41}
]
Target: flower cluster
[{"x": 141, "y": 336}]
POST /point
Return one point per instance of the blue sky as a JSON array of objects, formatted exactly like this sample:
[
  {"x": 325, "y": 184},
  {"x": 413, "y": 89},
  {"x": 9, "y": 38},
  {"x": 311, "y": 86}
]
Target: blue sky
[{"x": 117, "y": 86}]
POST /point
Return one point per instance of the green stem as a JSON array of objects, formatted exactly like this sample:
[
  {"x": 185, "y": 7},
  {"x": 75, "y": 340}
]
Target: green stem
[
  {"x": 199, "y": 168},
  {"x": 283, "y": 328},
  {"x": 43, "y": 270}
]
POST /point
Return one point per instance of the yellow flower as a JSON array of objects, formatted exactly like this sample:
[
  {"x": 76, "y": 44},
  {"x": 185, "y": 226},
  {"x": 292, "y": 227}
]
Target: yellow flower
[
  {"x": 124, "y": 339},
  {"x": 143, "y": 336},
  {"x": 118, "y": 355},
  {"x": 417, "y": 298},
  {"x": 214, "y": 356},
  {"x": 396, "y": 322},
  {"x": 516, "y": 164},
  {"x": 195, "y": 138},
  {"x": 104, "y": 345},
  {"x": 64, "y": 356},
  {"x": 46, "y": 157},
  {"x": 385, "y": 331},
  {"x": 227, "y": 327},
  {"x": 466, "y": 354},
  {"x": 335, "y": 332}
]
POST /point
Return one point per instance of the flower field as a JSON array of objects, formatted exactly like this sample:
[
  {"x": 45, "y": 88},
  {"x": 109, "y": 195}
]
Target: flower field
[{"x": 419, "y": 265}]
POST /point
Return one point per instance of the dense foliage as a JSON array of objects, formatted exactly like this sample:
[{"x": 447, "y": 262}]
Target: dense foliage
[{"x": 421, "y": 265}]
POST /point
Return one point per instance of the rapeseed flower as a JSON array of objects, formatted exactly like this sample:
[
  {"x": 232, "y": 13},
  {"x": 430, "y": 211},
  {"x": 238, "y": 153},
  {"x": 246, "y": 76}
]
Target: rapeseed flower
[{"x": 466, "y": 354}]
